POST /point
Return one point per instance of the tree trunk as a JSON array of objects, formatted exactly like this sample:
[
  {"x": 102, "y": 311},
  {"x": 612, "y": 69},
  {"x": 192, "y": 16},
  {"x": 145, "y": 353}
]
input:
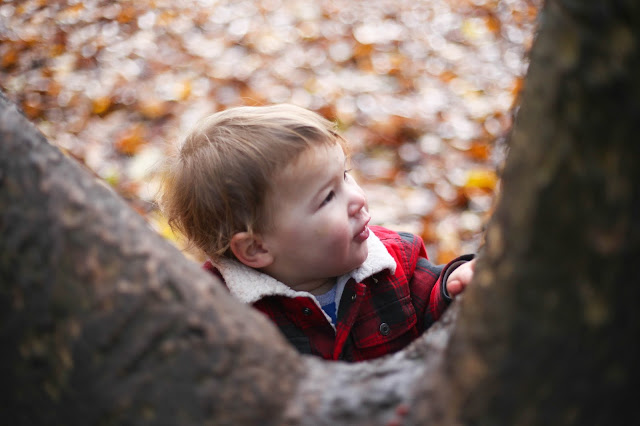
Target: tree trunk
[
  {"x": 551, "y": 333},
  {"x": 102, "y": 322}
]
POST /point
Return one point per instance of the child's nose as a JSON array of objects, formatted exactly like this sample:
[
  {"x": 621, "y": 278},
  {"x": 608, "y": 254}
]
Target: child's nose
[{"x": 357, "y": 200}]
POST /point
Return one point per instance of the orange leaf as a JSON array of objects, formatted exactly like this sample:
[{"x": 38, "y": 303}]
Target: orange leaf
[
  {"x": 483, "y": 179},
  {"x": 184, "y": 90},
  {"x": 73, "y": 11},
  {"x": 479, "y": 151},
  {"x": 132, "y": 140},
  {"x": 493, "y": 24},
  {"x": 101, "y": 105},
  {"x": 445, "y": 256},
  {"x": 362, "y": 50},
  {"x": 166, "y": 18},
  {"x": 32, "y": 106},
  {"x": 56, "y": 49},
  {"x": 53, "y": 88},
  {"x": 153, "y": 108},
  {"x": 126, "y": 14},
  {"x": 518, "y": 85},
  {"x": 447, "y": 76},
  {"x": 9, "y": 59}
]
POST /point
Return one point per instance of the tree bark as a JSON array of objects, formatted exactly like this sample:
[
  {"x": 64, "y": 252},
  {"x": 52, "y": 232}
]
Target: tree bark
[
  {"x": 552, "y": 334},
  {"x": 102, "y": 322}
]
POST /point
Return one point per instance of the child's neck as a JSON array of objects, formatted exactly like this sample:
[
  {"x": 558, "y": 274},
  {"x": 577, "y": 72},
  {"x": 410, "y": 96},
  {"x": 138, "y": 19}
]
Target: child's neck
[
  {"x": 317, "y": 287},
  {"x": 314, "y": 286}
]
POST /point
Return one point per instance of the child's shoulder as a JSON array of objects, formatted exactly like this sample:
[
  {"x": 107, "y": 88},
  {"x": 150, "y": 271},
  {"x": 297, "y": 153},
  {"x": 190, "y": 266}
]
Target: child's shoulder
[{"x": 396, "y": 240}]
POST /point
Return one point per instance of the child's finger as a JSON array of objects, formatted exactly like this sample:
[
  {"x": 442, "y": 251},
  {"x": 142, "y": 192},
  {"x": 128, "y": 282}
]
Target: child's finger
[{"x": 454, "y": 287}]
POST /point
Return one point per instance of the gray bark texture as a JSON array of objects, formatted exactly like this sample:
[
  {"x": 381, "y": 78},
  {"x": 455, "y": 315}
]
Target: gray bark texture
[{"x": 102, "y": 322}]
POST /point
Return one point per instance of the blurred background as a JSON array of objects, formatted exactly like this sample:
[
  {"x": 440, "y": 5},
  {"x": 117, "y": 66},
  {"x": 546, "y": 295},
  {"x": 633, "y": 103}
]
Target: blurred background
[{"x": 424, "y": 91}]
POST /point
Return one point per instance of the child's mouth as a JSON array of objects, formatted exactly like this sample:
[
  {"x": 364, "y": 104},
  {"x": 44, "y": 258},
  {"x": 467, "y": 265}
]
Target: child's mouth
[{"x": 364, "y": 234}]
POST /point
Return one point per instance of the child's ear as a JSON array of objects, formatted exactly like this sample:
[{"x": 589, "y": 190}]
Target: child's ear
[{"x": 249, "y": 249}]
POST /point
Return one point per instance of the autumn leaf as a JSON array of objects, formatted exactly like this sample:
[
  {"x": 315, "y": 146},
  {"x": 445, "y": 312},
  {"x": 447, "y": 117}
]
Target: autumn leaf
[
  {"x": 482, "y": 179},
  {"x": 131, "y": 140}
]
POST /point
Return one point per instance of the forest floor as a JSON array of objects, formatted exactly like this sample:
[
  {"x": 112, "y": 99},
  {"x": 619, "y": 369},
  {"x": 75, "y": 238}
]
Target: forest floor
[{"x": 424, "y": 91}]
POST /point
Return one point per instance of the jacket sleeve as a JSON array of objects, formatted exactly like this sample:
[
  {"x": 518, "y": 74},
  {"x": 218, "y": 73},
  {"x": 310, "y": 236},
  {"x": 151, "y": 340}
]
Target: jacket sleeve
[{"x": 427, "y": 282}]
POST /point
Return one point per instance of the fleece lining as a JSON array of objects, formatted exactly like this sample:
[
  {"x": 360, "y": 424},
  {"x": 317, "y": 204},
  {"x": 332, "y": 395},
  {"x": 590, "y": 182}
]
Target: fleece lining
[{"x": 250, "y": 285}]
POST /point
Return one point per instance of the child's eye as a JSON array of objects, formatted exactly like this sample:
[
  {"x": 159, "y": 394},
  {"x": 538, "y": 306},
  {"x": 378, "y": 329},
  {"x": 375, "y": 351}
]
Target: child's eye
[
  {"x": 346, "y": 173},
  {"x": 328, "y": 198}
]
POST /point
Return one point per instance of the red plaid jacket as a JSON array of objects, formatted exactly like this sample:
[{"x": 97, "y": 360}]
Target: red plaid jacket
[{"x": 383, "y": 305}]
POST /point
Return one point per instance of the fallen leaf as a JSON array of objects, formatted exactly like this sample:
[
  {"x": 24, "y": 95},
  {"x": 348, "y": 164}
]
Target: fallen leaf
[
  {"x": 131, "y": 140},
  {"x": 483, "y": 179},
  {"x": 101, "y": 105}
]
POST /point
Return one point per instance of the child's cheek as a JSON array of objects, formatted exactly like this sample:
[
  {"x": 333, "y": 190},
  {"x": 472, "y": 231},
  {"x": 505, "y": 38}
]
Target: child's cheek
[
  {"x": 329, "y": 233},
  {"x": 325, "y": 225},
  {"x": 324, "y": 230}
]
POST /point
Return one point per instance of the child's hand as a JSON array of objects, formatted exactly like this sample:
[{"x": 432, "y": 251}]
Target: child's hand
[{"x": 460, "y": 278}]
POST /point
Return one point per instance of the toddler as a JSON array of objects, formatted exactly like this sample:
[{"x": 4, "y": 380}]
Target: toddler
[{"x": 266, "y": 194}]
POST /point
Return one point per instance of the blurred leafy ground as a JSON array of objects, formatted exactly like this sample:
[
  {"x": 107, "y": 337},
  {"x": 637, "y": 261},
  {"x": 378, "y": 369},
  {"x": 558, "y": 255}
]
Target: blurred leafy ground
[{"x": 423, "y": 90}]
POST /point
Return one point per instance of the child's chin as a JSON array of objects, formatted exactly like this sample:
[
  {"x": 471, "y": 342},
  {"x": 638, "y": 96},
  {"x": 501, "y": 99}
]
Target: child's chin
[{"x": 363, "y": 256}]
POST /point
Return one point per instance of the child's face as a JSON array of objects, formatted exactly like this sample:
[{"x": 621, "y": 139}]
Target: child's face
[{"x": 319, "y": 219}]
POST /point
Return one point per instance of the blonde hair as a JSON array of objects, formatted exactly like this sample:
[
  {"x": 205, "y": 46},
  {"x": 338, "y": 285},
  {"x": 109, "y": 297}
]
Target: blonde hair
[{"x": 218, "y": 183}]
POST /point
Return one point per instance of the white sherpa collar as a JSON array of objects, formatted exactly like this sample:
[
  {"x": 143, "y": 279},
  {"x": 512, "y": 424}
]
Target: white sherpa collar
[{"x": 250, "y": 285}]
